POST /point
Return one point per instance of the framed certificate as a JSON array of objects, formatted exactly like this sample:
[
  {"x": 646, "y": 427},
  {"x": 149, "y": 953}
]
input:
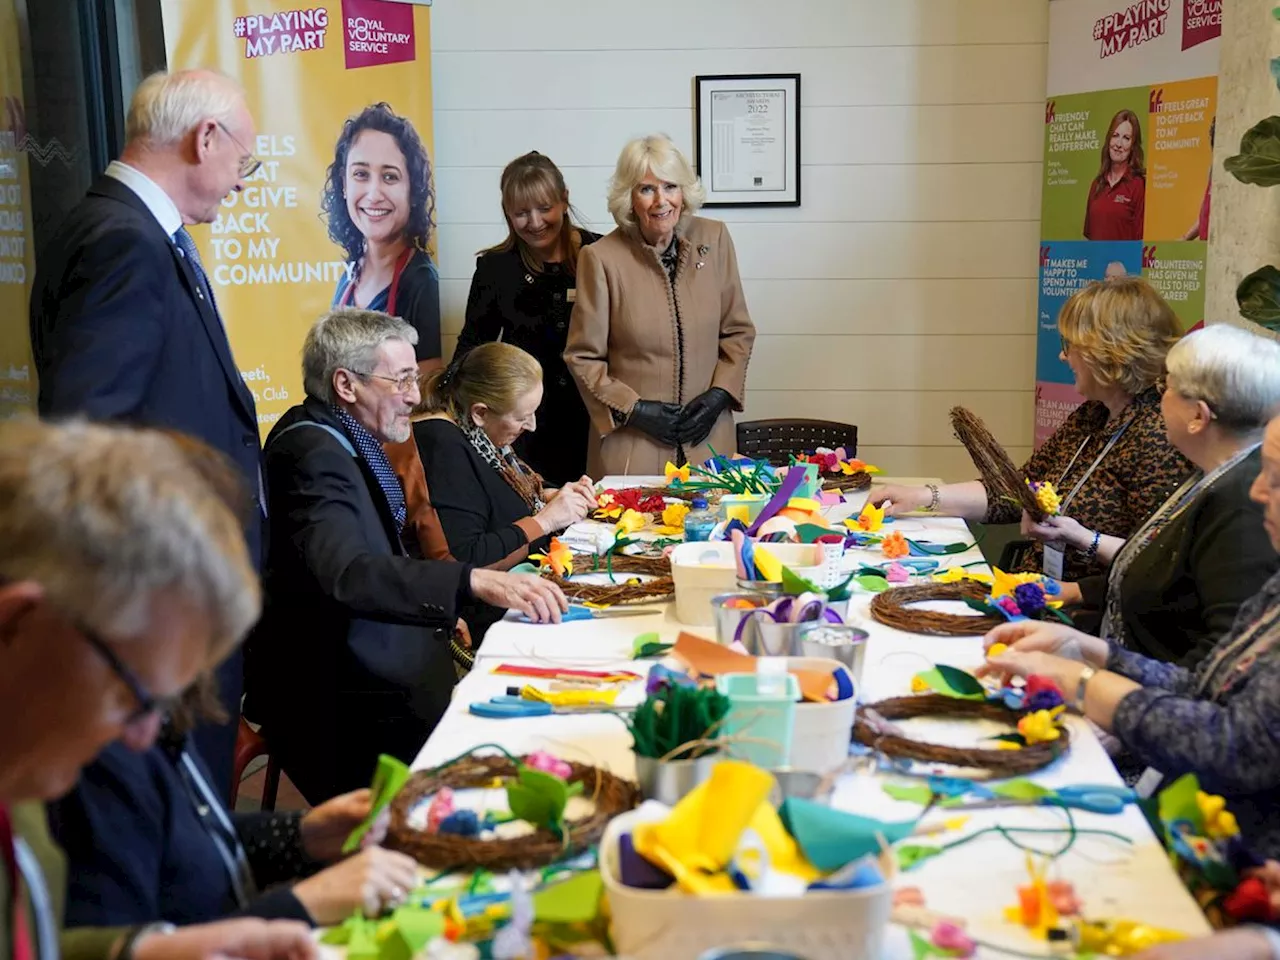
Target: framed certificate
[{"x": 749, "y": 139}]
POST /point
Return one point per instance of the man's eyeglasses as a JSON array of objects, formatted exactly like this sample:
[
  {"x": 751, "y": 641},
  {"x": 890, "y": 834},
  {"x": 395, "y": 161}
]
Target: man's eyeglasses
[
  {"x": 249, "y": 164},
  {"x": 404, "y": 383},
  {"x": 147, "y": 703}
]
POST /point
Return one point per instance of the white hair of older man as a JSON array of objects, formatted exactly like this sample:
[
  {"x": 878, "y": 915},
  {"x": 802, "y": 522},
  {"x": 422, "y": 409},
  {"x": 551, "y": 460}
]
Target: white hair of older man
[
  {"x": 1234, "y": 371},
  {"x": 347, "y": 338},
  {"x": 654, "y": 154},
  {"x": 166, "y": 106},
  {"x": 106, "y": 519}
]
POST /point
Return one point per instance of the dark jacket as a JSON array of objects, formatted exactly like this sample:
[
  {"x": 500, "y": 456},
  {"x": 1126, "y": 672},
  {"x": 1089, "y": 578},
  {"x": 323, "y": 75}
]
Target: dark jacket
[
  {"x": 531, "y": 311},
  {"x": 1183, "y": 590},
  {"x": 485, "y": 521},
  {"x": 120, "y": 330},
  {"x": 138, "y": 851},
  {"x": 351, "y": 658}
]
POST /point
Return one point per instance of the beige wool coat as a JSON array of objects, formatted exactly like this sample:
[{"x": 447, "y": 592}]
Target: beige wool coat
[{"x": 636, "y": 336}]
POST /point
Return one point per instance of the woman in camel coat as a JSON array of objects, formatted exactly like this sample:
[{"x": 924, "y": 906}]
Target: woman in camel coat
[{"x": 660, "y": 335}]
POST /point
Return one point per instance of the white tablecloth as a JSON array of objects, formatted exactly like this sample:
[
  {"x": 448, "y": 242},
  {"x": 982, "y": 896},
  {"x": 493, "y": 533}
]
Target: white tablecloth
[{"x": 976, "y": 882}]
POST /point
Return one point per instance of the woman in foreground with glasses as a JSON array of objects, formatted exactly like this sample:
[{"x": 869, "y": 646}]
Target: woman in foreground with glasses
[
  {"x": 1109, "y": 460},
  {"x": 1176, "y": 583},
  {"x": 495, "y": 509}
]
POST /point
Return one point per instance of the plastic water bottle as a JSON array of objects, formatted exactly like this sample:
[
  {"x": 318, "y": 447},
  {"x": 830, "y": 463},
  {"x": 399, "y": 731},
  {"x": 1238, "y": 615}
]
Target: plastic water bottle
[{"x": 699, "y": 522}]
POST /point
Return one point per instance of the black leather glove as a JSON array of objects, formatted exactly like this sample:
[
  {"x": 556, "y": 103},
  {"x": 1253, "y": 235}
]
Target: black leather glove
[
  {"x": 659, "y": 420},
  {"x": 700, "y": 415}
]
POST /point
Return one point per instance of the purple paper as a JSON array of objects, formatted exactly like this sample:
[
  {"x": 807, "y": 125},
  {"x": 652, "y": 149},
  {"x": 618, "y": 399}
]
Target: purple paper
[{"x": 790, "y": 483}]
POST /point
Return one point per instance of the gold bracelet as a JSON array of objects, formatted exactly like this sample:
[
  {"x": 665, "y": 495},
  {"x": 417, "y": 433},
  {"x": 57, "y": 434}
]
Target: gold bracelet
[{"x": 1082, "y": 684}]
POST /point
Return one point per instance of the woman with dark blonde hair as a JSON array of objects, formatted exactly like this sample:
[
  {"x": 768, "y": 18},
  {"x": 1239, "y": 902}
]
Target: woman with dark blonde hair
[
  {"x": 523, "y": 292},
  {"x": 1117, "y": 197},
  {"x": 493, "y": 507}
]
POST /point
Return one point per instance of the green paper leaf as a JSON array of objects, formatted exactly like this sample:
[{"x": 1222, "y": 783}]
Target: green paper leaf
[
  {"x": 909, "y": 792},
  {"x": 526, "y": 567},
  {"x": 652, "y": 651},
  {"x": 1258, "y": 161},
  {"x": 644, "y": 640},
  {"x": 418, "y": 926},
  {"x": 363, "y": 944},
  {"x": 529, "y": 805},
  {"x": 951, "y": 682},
  {"x": 1259, "y": 297},
  {"x": 872, "y": 584},
  {"x": 810, "y": 532},
  {"x": 576, "y": 900},
  {"x": 978, "y": 605},
  {"x": 796, "y": 585},
  {"x": 1178, "y": 802},
  {"x": 940, "y": 549},
  {"x": 389, "y": 776},
  {"x": 912, "y": 855},
  {"x": 1021, "y": 790},
  {"x": 1017, "y": 738}
]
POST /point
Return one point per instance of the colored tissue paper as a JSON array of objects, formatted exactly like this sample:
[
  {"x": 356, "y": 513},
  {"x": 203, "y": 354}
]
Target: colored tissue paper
[
  {"x": 832, "y": 838},
  {"x": 770, "y": 567},
  {"x": 779, "y": 500},
  {"x": 389, "y": 776},
  {"x": 635, "y": 871},
  {"x": 576, "y": 900}
]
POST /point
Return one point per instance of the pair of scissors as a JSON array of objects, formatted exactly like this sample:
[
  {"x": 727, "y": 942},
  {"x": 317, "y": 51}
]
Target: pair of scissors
[
  {"x": 510, "y": 707},
  {"x": 1090, "y": 797},
  {"x": 578, "y": 611}
]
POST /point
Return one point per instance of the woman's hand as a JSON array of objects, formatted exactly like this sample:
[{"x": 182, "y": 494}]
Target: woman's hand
[
  {"x": 1244, "y": 943},
  {"x": 898, "y": 500},
  {"x": 246, "y": 939},
  {"x": 572, "y": 502},
  {"x": 1014, "y": 663},
  {"x": 1060, "y": 529},
  {"x": 372, "y": 882},
  {"x": 1032, "y": 636},
  {"x": 326, "y": 828}
]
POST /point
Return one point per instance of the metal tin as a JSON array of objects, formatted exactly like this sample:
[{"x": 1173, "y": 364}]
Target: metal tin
[
  {"x": 834, "y": 641},
  {"x": 750, "y": 951}
]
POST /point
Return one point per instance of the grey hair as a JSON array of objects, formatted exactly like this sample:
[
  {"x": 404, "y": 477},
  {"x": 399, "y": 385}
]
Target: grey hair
[
  {"x": 654, "y": 154},
  {"x": 166, "y": 106},
  {"x": 1234, "y": 371},
  {"x": 106, "y": 519},
  {"x": 346, "y": 338}
]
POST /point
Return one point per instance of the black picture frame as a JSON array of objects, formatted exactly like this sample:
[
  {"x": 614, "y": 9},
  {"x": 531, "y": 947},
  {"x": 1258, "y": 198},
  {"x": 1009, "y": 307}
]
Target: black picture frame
[{"x": 735, "y": 91}]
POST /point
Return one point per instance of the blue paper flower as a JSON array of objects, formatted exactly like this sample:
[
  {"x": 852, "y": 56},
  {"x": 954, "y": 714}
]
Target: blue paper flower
[
  {"x": 1044, "y": 700},
  {"x": 1030, "y": 598}
]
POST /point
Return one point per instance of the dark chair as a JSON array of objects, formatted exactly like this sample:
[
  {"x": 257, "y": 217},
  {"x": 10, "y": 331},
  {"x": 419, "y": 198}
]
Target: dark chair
[
  {"x": 777, "y": 440},
  {"x": 251, "y": 744}
]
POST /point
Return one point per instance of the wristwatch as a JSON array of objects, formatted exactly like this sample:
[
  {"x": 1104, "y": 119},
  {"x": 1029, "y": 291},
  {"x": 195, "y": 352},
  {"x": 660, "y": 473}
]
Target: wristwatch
[
  {"x": 1086, "y": 675},
  {"x": 125, "y": 946}
]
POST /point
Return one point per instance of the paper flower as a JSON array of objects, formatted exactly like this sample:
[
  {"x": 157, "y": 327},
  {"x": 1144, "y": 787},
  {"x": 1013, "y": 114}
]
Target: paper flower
[
  {"x": 895, "y": 546},
  {"x": 673, "y": 515},
  {"x": 1040, "y": 726},
  {"x": 1037, "y": 683},
  {"x": 548, "y": 763},
  {"x": 1046, "y": 497},
  {"x": 948, "y": 936},
  {"x": 440, "y": 809},
  {"x": 1008, "y": 606},
  {"x": 558, "y": 559},
  {"x": 1030, "y": 598},
  {"x": 1044, "y": 700},
  {"x": 897, "y": 573},
  {"x": 869, "y": 520},
  {"x": 607, "y": 507},
  {"x": 918, "y": 684},
  {"x": 850, "y": 467},
  {"x": 631, "y": 521},
  {"x": 1007, "y": 745},
  {"x": 1219, "y": 822},
  {"x": 677, "y": 473},
  {"x": 996, "y": 649},
  {"x": 956, "y": 574}
]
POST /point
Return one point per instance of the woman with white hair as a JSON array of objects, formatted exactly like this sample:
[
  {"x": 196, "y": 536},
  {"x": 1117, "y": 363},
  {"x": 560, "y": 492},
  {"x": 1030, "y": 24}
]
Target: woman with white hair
[
  {"x": 1176, "y": 583},
  {"x": 660, "y": 335}
]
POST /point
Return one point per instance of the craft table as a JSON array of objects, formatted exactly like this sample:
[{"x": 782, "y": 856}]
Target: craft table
[{"x": 975, "y": 882}]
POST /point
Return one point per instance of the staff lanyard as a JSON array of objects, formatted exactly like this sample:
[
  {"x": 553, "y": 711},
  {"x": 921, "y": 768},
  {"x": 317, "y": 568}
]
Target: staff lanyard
[
  {"x": 348, "y": 295},
  {"x": 220, "y": 829},
  {"x": 1115, "y": 438}
]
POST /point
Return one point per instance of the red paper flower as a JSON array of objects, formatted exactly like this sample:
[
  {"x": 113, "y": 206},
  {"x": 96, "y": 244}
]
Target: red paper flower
[{"x": 1038, "y": 684}]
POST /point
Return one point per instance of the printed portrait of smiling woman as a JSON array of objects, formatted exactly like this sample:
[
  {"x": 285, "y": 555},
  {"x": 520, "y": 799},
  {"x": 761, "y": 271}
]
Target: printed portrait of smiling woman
[{"x": 380, "y": 205}]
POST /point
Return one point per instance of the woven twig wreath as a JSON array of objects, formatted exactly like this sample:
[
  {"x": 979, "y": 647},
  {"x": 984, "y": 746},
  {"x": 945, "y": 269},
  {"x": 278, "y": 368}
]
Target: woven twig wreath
[
  {"x": 646, "y": 591},
  {"x": 1001, "y": 475},
  {"x": 611, "y": 795},
  {"x": 711, "y": 495},
  {"x": 1001, "y": 763},
  {"x": 622, "y": 563},
  {"x": 891, "y": 608}
]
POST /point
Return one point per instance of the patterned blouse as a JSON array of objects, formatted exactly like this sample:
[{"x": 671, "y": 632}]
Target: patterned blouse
[
  {"x": 1137, "y": 474},
  {"x": 1220, "y": 722}
]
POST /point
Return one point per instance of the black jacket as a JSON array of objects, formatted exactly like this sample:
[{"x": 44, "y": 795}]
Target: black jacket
[
  {"x": 138, "y": 850},
  {"x": 120, "y": 330},
  {"x": 1182, "y": 591},
  {"x": 479, "y": 511},
  {"x": 531, "y": 311},
  {"x": 351, "y": 658}
]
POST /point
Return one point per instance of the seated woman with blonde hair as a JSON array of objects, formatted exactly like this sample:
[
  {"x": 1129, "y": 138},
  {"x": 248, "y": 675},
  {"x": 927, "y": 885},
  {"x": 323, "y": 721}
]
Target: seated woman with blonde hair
[{"x": 493, "y": 507}]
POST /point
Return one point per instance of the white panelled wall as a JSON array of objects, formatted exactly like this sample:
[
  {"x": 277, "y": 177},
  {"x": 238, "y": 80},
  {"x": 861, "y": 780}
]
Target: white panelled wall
[{"x": 903, "y": 286}]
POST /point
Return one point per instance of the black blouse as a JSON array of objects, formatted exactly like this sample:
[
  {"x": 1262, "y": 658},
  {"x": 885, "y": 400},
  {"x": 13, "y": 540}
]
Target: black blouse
[{"x": 531, "y": 311}]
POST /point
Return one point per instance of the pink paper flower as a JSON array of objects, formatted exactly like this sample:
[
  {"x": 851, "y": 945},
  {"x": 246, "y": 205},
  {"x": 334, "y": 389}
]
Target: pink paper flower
[
  {"x": 897, "y": 573},
  {"x": 547, "y": 763},
  {"x": 948, "y": 936},
  {"x": 441, "y": 807}
]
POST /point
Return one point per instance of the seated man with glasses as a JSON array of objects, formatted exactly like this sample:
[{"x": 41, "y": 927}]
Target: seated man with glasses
[
  {"x": 123, "y": 577},
  {"x": 351, "y": 658}
]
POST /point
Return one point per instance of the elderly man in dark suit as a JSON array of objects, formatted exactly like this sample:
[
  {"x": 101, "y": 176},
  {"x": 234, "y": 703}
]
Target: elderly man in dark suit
[
  {"x": 124, "y": 325},
  {"x": 351, "y": 658}
]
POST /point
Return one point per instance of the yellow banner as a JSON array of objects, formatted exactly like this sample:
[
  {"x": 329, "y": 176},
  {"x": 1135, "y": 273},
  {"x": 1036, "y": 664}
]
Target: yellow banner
[
  {"x": 17, "y": 372},
  {"x": 307, "y": 68}
]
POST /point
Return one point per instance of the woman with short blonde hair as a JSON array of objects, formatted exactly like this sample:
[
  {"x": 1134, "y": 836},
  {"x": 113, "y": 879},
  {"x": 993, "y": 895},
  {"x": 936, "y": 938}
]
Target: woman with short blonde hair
[
  {"x": 1110, "y": 460},
  {"x": 493, "y": 507},
  {"x": 660, "y": 336}
]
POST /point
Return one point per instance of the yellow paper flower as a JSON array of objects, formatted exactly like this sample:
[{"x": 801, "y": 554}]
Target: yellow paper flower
[
  {"x": 996, "y": 649},
  {"x": 1219, "y": 822},
  {"x": 607, "y": 508},
  {"x": 677, "y": 473},
  {"x": 918, "y": 685},
  {"x": 850, "y": 467},
  {"x": 631, "y": 521},
  {"x": 869, "y": 520},
  {"x": 1046, "y": 497},
  {"x": 674, "y": 514},
  {"x": 1041, "y": 726},
  {"x": 956, "y": 574},
  {"x": 558, "y": 559},
  {"x": 1007, "y": 745}
]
